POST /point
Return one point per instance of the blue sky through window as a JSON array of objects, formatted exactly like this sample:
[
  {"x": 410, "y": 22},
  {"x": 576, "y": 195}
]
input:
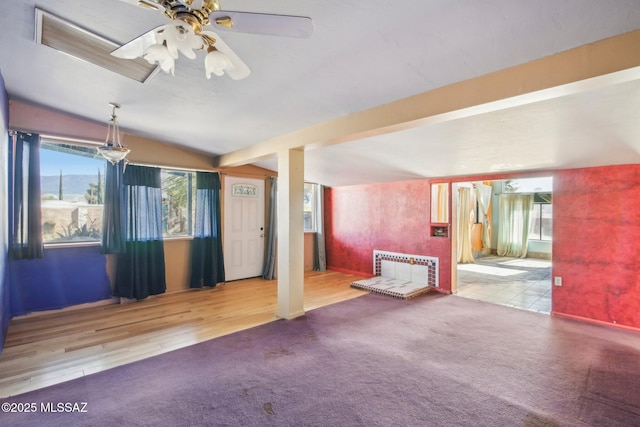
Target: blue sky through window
[{"x": 51, "y": 162}]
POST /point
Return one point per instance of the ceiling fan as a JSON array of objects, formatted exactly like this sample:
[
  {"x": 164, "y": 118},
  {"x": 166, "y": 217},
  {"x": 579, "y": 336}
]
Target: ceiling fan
[{"x": 191, "y": 28}]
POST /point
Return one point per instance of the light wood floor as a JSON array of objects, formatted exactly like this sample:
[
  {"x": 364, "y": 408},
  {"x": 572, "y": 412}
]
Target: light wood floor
[{"x": 55, "y": 347}]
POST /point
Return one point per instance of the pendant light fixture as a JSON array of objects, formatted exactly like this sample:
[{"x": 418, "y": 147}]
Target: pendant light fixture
[{"x": 113, "y": 150}]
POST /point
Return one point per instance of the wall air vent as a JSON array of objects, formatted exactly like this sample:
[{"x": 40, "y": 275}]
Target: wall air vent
[{"x": 68, "y": 38}]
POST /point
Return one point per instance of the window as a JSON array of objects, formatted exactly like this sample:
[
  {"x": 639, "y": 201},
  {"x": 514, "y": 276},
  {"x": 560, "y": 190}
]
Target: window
[
  {"x": 310, "y": 197},
  {"x": 178, "y": 203},
  {"x": 542, "y": 217},
  {"x": 528, "y": 185},
  {"x": 72, "y": 183},
  {"x": 478, "y": 214}
]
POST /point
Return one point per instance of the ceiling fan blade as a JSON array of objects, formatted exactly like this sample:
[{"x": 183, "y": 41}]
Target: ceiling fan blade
[
  {"x": 240, "y": 70},
  {"x": 262, "y": 23},
  {"x": 147, "y": 4},
  {"x": 136, "y": 47}
]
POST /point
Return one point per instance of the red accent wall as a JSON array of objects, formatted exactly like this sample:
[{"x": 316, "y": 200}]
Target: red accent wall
[
  {"x": 596, "y": 236},
  {"x": 392, "y": 217},
  {"x": 596, "y": 243}
]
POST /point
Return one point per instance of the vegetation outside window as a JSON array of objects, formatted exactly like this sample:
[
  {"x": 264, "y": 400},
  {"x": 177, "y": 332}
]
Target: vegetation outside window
[{"x": 178, "y": 203}]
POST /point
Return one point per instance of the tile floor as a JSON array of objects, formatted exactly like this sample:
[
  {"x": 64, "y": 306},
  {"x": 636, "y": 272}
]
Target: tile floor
[{"x": 515, "y": 282}]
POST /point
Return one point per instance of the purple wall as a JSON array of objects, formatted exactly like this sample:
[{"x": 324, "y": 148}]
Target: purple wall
[
  {"x": 63, "y": 277},
  {"x": 5, "y": 308}
]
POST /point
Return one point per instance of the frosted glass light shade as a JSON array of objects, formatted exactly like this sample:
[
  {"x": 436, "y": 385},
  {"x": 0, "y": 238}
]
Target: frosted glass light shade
[
  {"x": 112, "y": 153},
  {"x": 180, "y": 38},
  {"x": 112, "y": 149},
  {"x": 216, "y": 62},
  {"x": 159, "y": 54}
]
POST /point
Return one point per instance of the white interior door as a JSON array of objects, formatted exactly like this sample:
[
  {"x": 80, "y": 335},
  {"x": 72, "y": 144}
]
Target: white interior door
[{"x": 243, "y": 227}]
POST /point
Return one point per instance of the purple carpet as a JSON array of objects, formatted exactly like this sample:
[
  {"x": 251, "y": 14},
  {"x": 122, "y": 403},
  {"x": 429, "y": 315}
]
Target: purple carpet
[{"x": 433, "y": 360}]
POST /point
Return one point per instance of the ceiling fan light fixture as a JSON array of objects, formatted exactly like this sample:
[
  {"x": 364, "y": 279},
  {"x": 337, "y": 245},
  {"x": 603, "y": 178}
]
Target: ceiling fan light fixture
[
  {"x": 180, "y": 38},
  {"x": 112, "y": 149},
  {"x": 224, "y": 21},
  {"x": 148, "y": 5},
  {"x": 189, "y": 31},
  {"x": 159, "y": 54},
  {"x": 216, "y": 62},
  {"x": 197, "y": 4}
]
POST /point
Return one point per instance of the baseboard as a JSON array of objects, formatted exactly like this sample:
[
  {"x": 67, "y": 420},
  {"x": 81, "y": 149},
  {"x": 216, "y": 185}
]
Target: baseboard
[
  {"x": 530, "y": 254},
  {"x": 539, "y": 255},
  {"x": 481, "y": 253},
  {"x": 290, "y": 316},
  {"x": 595, "y": 322},
  {"x": 352, "y": 272}
]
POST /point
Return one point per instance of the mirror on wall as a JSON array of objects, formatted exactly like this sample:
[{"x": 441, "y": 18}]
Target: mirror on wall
[{"x": 440, "y": 202}]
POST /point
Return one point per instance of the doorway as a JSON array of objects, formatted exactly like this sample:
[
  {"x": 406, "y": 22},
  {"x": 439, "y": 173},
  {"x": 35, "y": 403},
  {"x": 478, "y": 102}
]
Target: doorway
[
  {"x": 243, "y": 227},
  {"x": 523, "y": 283}
]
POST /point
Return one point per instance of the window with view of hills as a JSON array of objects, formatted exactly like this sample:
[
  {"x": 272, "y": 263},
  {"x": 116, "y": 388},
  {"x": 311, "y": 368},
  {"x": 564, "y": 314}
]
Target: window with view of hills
[
  {"x": 72, "y": 180},
  {"x": 72, "y": 185}
]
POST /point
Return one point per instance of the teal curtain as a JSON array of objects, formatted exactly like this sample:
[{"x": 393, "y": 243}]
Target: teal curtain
[
  {"x": 25, "y": 197},
  {"x": 320, "y": 256},
  {"x": 141, "y": 270},
  {"x": 207, "y": 262},
  {"x": 270, "y": 270},
  {"x": 114, "y": 212}
]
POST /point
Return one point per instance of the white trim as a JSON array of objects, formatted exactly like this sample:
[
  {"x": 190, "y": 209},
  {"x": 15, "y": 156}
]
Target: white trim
[{"x": 71, "y": 244}]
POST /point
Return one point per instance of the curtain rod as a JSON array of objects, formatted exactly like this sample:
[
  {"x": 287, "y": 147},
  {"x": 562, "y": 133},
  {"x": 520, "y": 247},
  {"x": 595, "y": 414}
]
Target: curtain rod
[
  {"x": 64, "y": 139},
  {"x": 263, "y": 175},
  {"x": 60, "y": 139},
  {"x": 180, "y": 168},
  {"x": 177, "y": 168},
  {"x": 93, "y": 143}
]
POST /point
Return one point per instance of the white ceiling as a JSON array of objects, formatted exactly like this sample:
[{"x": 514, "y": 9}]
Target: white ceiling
[{"x": 362, "y": 54}]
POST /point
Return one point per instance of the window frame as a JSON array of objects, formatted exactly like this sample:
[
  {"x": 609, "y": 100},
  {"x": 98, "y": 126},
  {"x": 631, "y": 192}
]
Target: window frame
[
  {"x": 83, "y": 145},
  {"x": 538, "y": 206},
  {"x": 191, "y": 203}
]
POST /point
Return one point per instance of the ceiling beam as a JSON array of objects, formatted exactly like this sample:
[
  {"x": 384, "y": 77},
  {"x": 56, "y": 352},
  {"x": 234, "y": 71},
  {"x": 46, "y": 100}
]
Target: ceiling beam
[{"x": 595, "y": 65}]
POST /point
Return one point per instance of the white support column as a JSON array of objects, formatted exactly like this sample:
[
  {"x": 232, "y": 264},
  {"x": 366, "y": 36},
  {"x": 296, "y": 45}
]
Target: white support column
[{"x": 290, "y": 234}]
